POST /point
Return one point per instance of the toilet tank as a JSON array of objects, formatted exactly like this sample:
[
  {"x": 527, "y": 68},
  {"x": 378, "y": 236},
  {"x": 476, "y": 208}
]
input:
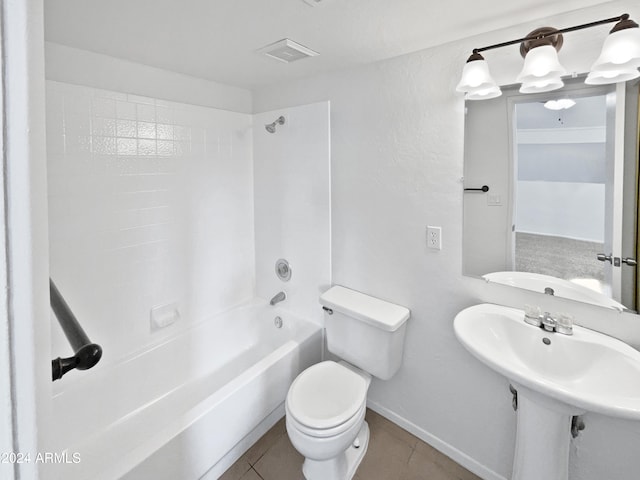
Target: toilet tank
[{"x": 365, "y": 331}]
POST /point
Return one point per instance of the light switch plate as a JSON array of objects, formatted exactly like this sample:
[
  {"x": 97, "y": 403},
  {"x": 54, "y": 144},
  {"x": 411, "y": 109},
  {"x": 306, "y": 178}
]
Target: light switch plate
[{"x": 494, "y": 200}]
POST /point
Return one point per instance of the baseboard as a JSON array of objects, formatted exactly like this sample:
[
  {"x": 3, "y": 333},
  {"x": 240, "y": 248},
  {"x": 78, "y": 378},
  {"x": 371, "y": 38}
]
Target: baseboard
[
  {"x": 443, "y": 447},
  {"x": 459, "y": 457}
]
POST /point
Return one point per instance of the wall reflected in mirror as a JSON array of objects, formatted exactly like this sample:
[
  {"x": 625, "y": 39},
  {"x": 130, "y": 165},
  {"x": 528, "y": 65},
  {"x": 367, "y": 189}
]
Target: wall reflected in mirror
[{"x": 561, "y": 211}]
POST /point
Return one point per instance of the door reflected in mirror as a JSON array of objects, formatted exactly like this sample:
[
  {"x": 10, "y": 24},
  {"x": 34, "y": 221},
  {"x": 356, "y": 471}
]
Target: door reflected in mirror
[{"x": 560, "y": 213}]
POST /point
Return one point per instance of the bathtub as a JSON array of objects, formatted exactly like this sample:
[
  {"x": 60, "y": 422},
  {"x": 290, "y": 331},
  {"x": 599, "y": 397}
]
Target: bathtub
[{"x": 188, "y": 406}]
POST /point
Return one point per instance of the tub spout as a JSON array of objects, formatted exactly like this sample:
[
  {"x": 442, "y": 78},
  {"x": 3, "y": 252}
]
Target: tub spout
[{"x": 279, "y": 297}]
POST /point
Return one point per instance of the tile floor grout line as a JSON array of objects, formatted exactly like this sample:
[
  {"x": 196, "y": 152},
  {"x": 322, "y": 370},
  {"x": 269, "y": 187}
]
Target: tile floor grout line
[
  {"x": 257, "y": 473},
  {"x": 280, "y": 459},
  {"x": 257, "y": 459},
  {"x": 266, "y": 450}
]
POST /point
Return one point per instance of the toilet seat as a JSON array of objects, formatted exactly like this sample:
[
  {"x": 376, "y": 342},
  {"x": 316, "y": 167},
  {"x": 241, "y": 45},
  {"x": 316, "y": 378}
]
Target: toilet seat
[
  {"x": 327, "y": 432},
  {"x": 326, "y": 399}
]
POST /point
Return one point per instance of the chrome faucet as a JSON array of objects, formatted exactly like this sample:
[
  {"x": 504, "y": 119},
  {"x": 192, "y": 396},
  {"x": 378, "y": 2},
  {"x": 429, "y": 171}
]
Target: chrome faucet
[
  {"x": 548, "y": 322},
  {"x": 278, "y": 297},
  {"x": 563, "y": 324}
]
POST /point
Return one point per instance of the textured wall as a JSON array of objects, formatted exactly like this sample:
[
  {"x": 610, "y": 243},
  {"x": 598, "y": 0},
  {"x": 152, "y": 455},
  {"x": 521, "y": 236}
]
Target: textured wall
[{"x": 397, "y": 155}]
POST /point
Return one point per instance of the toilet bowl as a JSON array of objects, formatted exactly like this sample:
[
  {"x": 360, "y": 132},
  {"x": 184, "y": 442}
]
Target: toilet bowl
[
  {"x": 325, "y": 410},
  {"x": 326, "y": 404}
]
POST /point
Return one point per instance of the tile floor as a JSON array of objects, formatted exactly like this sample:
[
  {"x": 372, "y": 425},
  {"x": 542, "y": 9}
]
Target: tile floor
[{"x": 393, "y": 454}]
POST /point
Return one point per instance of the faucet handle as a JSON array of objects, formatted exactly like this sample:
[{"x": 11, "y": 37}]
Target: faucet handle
[
  {"x": 564, "y": 324},
  {"x": 532, "y": 315}
]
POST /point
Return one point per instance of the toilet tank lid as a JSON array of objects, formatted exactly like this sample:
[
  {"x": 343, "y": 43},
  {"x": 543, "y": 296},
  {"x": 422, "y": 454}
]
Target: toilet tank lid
[{"x": 379, "y": 313}]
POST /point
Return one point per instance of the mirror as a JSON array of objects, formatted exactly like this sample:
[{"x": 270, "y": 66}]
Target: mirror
[{"x": 560, "y": 212}]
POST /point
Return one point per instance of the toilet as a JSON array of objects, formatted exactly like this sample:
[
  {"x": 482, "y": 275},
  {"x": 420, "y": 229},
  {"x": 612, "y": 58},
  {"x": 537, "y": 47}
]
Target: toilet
[{"x": 326, "y": 403}]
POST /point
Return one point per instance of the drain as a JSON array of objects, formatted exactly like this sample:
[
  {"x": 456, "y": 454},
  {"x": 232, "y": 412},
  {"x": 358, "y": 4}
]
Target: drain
[
  {"x": 277, "y": 322},
  {"x": 546, "y": 341}
]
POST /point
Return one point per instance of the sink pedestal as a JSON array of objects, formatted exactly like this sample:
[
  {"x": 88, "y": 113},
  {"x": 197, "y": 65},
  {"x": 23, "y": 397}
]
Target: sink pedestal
[{"x": 543, "y": 436}]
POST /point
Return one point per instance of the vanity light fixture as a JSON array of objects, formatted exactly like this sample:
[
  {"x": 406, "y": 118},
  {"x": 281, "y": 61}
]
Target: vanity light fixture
[
  {"x": 476, "y": 80},
  {"x": 542, "y": 72}
]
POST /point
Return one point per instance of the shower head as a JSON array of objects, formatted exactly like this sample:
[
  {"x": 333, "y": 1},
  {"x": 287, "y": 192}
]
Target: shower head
[{"x": 271, "y": 127}]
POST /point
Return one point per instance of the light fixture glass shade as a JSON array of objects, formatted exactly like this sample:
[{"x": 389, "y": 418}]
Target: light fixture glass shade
[
  {"x": 541, "y": 63},
  {"x": 483, "y": 93},
  {"x": 560, "y": 104},
  {"x": 545, "y": 85},
  {"x": 476, "y": 80},
  {"x": 476, "y": 76},
  {"x": 605, "y": 77},
  {"x": 621, "y": 51}
]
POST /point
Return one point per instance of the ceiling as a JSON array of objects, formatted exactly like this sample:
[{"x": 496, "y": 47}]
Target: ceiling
[{"x": 218, "y": 39}]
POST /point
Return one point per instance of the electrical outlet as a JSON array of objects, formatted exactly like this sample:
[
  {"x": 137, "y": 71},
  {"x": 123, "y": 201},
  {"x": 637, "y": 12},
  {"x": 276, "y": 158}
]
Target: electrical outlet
[{"x": 434, "y": 237}]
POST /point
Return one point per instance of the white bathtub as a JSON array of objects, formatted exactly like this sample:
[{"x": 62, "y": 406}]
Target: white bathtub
[{"x": 177, "y": 410}]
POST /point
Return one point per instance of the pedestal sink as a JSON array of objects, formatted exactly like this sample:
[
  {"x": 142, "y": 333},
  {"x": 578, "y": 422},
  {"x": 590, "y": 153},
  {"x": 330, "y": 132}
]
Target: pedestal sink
[{"x": 556, "y": 376}]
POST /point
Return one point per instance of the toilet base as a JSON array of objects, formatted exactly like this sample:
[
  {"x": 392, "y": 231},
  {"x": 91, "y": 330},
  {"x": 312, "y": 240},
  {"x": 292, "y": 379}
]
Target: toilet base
[{"x": 342, "y": 467}]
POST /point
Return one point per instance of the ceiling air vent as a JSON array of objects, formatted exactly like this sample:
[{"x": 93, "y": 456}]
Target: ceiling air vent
[{"x": 287, "y": 51}]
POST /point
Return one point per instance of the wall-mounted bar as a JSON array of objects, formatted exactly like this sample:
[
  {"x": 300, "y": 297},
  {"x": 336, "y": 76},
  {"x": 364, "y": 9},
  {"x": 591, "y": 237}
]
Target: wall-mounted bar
[
  {"x": 87, "y": 354},
  {"x": 484, "y": 188},
  {"x": 538, "y": 36}
]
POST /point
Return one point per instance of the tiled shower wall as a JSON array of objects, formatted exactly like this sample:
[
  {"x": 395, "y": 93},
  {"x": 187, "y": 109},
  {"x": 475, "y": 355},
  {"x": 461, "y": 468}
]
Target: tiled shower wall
[{"x": 150, "y": 203}]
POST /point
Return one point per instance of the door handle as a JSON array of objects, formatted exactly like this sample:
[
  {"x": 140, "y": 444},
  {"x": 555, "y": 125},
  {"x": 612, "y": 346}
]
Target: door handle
[
  {"x": 604, "y": 258},
  {"x": 630, "y": 261}
]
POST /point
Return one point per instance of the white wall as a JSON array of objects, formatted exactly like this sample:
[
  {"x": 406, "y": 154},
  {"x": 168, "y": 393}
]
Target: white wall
[
  {"x": 564, "y": 209},
  {"x": 26, "y": 407},
  {"x": 397, "y": 152},
  {"x": 81, "y": 67},
  {"x": 486, "y": 162},
  {"x": 293, "y": 205},
  {"x": 150, "y": 203}
]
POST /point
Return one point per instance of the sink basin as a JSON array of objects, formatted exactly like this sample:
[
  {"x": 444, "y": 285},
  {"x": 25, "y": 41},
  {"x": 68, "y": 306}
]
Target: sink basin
[
  {"x": 587, "y": 370},
  {"x": 556, "y": 377},
  {"x": 537, "y": 282}
]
